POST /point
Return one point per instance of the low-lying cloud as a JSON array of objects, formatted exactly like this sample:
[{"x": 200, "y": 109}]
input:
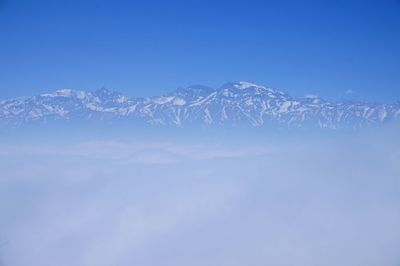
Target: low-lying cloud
[
  {"x": 328, "y": 201},
  {"x": 133, "y": 152}
]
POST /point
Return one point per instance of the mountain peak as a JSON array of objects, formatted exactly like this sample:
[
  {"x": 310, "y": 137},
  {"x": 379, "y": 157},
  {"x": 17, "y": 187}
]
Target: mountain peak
[
  {"x": 245, "y": 85},
  {"x": 64, "y": 91},
  {"x": 103, "y": 91},
  {"x": 60, "y": 93},
  {"x": 242, "y": 85}
]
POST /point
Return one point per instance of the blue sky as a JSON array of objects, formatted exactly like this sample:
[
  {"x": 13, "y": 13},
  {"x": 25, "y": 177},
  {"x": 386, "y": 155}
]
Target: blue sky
[{"x": 149, "y": 47}]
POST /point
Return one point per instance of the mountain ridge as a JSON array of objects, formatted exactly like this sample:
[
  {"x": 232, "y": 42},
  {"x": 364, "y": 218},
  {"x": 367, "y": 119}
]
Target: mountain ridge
[{"x": 234, "y": 103}]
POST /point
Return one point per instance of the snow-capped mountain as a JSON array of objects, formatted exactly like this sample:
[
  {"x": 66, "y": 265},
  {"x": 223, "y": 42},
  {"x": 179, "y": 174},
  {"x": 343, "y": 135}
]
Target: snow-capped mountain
[{"x": 232, "y": 104}]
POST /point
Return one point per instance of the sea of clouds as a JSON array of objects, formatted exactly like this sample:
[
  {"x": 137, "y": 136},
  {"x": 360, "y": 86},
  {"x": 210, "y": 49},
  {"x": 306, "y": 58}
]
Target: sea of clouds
[{"x": 304, "y": 201}]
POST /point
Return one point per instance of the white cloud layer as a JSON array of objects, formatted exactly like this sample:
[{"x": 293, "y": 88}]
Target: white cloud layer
[{"x": 263, "y": 202}]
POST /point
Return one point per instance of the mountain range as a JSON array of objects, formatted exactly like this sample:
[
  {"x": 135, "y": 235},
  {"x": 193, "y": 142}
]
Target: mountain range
[{"x": 235, "y": 103}]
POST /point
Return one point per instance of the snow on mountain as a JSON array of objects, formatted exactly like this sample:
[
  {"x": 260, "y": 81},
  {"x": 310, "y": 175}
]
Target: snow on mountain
[{"x": 232, "y": 104}]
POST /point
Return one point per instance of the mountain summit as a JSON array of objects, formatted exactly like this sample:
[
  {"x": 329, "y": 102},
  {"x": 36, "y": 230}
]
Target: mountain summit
[{"x": 234, "y": 103}]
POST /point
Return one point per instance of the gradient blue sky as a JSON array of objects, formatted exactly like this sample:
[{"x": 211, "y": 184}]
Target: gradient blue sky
[{"x": 149, "y": 47}]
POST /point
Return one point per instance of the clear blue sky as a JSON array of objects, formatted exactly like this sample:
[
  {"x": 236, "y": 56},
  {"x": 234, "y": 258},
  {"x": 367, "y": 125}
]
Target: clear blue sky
[{"x": 150, "y": 47}]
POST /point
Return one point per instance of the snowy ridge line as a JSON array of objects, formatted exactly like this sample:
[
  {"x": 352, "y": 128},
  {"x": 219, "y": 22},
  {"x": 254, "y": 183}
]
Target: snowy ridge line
[{"x": 239, "y": 103}]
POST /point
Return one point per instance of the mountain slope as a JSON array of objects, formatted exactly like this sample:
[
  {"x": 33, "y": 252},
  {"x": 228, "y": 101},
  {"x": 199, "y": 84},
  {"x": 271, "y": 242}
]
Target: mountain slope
[{"x": 232, "y": 104}]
